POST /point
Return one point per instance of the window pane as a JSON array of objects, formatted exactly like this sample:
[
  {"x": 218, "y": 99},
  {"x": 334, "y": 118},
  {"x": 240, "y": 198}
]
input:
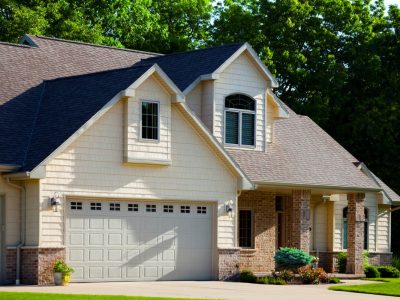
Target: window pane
[
  {"x": 232, "y": 128},
  {"x": 245, "y": 229},
  {"x": 240, "y": 102},
  {"x": 247, "y": 129},
  {"x": 150, "y": 120}
]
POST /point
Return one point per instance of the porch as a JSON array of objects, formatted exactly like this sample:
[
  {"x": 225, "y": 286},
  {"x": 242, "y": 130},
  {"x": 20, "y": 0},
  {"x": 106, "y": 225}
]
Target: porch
[{"x": 302, "y": 219}]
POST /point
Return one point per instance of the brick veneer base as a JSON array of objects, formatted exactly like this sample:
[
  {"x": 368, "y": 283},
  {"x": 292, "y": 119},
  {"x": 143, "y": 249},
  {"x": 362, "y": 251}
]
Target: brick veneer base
[
  {"x": 228, "y": 264},
  {"x": 261, "y": 258},
  {"x": 36, "y": 265},
  {"x": 378, "y": 259}
]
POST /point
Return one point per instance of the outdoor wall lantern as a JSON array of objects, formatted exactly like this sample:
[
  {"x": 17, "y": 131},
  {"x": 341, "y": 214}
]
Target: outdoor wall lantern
[
  {"x": 228, "y": 208},
  {"x": 55, "y": 202}
]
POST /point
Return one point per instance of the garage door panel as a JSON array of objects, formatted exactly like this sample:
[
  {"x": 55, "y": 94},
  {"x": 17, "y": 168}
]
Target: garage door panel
[{"x": 128, "y": 245}]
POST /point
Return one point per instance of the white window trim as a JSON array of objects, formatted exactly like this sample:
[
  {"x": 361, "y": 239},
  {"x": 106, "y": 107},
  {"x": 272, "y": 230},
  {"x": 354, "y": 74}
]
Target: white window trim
[
  {"x": 240, "y": 111},
  {"x": 159, "y": 122}
]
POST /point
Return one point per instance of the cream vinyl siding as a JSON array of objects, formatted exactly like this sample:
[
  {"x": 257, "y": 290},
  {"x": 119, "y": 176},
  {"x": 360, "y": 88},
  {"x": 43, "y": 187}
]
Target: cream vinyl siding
[
  {"x": 269, "y": 129},
  {"x": 12, "y": 212},
  {"x": 207, "y": 109},
  {"x": 240, "y": 77},
  {"x": 319, "y": 218},
  {"x": 32, "y": 212},
  {"x": 92, "y": 167},
  {"x": 383, "y": 240},
  {"x": 136, "y": 148},
  {"x": 194, "y": 100},
  {"x": 371, "y": 204}
]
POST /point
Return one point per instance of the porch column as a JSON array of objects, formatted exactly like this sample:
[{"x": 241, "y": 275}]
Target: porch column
[
  {"x": 355, "y": 233},
  {"x": 301, "y": 219}
]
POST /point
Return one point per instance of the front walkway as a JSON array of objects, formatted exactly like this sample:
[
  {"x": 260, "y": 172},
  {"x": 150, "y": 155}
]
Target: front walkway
[{"x": 203, "y": 289}]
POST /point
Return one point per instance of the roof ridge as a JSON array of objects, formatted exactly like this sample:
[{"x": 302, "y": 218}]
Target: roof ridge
[
  {"x": 135, "y": 66},
  {"x": 93, "y": 45},
  {"x": 16, "y": 45},
  {"x": 196, "y": 50}
]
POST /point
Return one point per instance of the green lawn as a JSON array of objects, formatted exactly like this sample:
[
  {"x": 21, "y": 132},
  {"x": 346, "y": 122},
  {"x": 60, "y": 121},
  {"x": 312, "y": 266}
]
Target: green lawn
[
  {"x": 389, "y": 287},
  {"x": 47, "y": 296}
]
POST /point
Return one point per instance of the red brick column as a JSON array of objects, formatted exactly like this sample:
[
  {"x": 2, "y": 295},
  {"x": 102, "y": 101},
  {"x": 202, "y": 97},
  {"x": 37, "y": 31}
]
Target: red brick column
[
  {"x": 355, "y": 233},
  {"x": 300, "y": 215}
]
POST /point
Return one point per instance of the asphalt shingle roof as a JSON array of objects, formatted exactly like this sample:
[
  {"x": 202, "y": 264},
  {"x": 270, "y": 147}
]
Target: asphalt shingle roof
[
  {"x": 50, "y": 91},
  {"x": 185, "y": 67}
]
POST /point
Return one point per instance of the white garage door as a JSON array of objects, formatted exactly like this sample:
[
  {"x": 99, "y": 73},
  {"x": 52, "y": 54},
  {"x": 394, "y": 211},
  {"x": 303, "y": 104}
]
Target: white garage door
[{"x": 121, "y": 241}]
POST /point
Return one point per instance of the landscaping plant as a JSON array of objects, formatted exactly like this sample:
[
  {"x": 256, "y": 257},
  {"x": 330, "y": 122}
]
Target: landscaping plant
[
  {"x": 371, "y": 272},
  {"x": 396, "y": 261},
  {"x": 248, "y": 276},
  {"x": 61, "y": 267},
  {"x": 389, "y": 272},
  {"x": 310, "y": 275},
  {"x": 291, "y": 258},
  {"x": 342, "y": 261}
]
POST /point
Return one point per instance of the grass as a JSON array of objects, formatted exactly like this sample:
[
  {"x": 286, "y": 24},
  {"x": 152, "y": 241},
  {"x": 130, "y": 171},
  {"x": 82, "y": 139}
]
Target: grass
[
  {"x": 48, "y": 296},
  {"x": 387, "y": 287}
]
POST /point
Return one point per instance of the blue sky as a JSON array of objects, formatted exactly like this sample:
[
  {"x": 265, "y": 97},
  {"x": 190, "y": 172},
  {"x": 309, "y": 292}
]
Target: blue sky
[{"x": 388, "y": 2}]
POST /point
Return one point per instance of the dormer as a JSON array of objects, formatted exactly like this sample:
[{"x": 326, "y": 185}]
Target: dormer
[{"x": 236, "y": 102}]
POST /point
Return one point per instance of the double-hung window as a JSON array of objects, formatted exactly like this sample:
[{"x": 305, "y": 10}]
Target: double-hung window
[
  {"x": 345, "y": 226},
  {"x": 150, "y": 120},
  {"x": 240, "y": 120}
]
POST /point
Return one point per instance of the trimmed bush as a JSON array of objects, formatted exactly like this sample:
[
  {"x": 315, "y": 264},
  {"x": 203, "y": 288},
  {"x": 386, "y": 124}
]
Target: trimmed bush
[
  {"x": 248, "y": 276},
  {"x": 291, "y": 258},
  {"x": 342, "y": 261},
  {"x": 286, "y": 275},
  {"x": 333, "y": 280},
  {"x": 274, "y": 280},
  {"x": 396, "y": 262},
  {"x": 389, "y": 272},
  {"x": 372, "y": 272}
]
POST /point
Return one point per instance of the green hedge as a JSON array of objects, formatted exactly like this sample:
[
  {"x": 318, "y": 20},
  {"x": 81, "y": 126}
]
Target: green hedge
[{"x": 291, "y": 258}]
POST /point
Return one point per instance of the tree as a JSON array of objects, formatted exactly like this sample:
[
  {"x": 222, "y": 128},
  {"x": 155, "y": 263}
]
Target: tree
[{"x": 161, "y": 26}]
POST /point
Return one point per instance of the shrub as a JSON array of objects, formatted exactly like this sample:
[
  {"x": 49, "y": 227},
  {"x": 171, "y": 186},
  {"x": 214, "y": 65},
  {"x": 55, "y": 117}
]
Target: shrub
[
  {"x": 309, "y": 275},
  {"x": 372, "y": 272},
  {"x": 291, "y": 258},
  {"x": 389, "y": 272},
  {"x": 396, "y": 261},
  {"x": 341, "y": 262},
  {"x": 248, "y": 276},
  {"x": 286, "y": 275},
  {"x": 274, "y": 280},
  {"x": 333, "y": 280}
]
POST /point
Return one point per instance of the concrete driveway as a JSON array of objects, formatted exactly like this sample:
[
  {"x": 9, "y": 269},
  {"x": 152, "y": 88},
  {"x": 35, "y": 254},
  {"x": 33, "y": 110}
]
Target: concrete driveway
[{"x": 203, "y": 289}]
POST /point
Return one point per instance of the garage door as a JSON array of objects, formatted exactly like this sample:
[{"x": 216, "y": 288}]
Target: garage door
[{"x": 121, "y": 241}]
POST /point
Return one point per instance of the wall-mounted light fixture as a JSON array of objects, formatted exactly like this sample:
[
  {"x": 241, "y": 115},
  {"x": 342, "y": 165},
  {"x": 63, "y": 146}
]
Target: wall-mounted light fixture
[
  {"x": 55, "y": 201},
  {"x": 228, "y": 208}
]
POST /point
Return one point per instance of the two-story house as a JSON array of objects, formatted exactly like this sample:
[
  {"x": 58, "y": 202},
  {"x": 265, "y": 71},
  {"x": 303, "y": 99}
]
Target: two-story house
[{"x": 138, "y": 166}]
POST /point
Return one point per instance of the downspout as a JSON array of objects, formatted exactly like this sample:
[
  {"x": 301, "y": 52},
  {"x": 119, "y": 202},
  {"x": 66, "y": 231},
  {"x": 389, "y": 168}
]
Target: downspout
[{"x": 22, "y": 229}]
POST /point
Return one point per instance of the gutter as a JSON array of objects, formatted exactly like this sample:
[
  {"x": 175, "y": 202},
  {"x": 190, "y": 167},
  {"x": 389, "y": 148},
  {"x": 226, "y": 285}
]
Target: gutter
[
  {"x": 308, "y": 186},
  {"x": 8, "y": 168},
  {"x": 22, "y": 228}
]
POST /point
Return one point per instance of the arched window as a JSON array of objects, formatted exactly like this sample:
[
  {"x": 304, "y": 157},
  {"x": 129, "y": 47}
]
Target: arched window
[
  {"x": 366, "y": 225},
  {"x": 240, "y": 120}
]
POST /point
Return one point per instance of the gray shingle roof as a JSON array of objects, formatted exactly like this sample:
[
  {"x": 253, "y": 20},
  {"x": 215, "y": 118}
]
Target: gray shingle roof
[
  {"x": 303, "y": 154},
  {"x": 42, "y": 115}
]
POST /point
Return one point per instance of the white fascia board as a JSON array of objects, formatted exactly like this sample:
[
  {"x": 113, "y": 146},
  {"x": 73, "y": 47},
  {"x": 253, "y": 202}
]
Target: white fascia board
[
  {"x": 178, "y": 95},
  {"x": 257, "y": 60},
  {"x": 244, "y": 182},
  {"x": 204, "y": 77}
]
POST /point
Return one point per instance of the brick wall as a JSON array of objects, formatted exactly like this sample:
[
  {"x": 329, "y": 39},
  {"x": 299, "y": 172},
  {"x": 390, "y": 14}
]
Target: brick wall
[
  {"x": 260, "y": 259},
  {"x": 36, "y": 265},
  {"x": 300, "y": 237},
  {"x": 228, "y": 264}
]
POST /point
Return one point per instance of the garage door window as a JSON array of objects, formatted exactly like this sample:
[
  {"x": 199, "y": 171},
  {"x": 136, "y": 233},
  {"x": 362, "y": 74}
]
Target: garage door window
[
  {"x": 202, "y": 210},
  {"x": 150, "y": 207},
  {"x": 168, "y": 208},
  {"x": 115, "y": 207},
  {"x": 133, "y": 207},
  {"x": 95, "y": 206},
  {"x": 185, "y": 209},
  {"x": 76, "y": 205}
]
